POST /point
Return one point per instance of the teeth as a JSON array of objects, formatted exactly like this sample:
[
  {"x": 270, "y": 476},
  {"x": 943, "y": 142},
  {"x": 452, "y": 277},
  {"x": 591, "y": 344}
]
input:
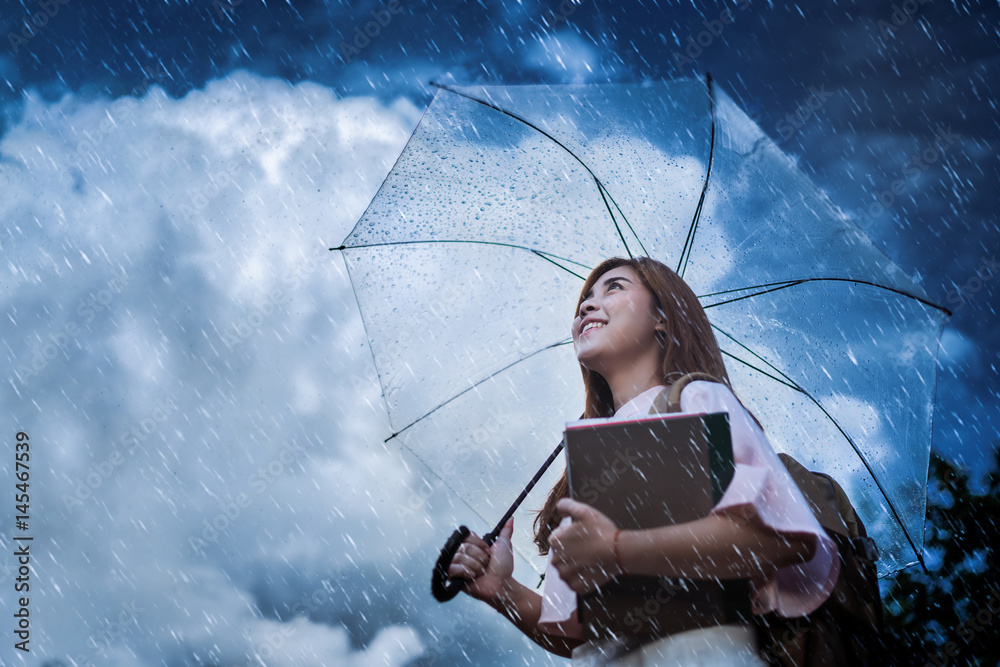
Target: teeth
[{"x": 592, "y": 325}]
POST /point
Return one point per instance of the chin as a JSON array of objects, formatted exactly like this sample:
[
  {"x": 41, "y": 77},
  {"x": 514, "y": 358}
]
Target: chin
[{"x": 589, "y": 364}]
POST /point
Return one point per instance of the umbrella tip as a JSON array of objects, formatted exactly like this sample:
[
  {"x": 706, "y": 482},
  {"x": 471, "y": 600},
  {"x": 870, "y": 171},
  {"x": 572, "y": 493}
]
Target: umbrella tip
[{"x": 339, "y": 248}]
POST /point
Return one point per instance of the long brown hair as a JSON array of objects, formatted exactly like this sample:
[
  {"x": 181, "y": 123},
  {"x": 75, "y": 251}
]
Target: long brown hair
[{"x": 687, "y": 345}]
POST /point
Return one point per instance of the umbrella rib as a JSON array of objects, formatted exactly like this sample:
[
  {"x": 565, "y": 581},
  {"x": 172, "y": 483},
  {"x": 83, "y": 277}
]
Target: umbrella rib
[
  {"x": 792, "y": 283},
  {"x": 530, "y": 485},
  {"x": 476, "y": 384},
  {"x": 689, "y": 241},
  {"x": 385, "y": 180},
  {"x": 864, "y": 461},
  {"x": 367, "y": 335},
  {"x": 780, "y": 286},
  {"x": 492, "y": 535},
  {"x": 782, "y": 283},
  {"x": 600, "y": 186},
  {"x": 607, "y": 195},
  {"x": 614, "y": 220},
  {"x": 410, "y": 449},
  {"x": 763, "y": 372},
  {"x": 541, "y": 253},
  {"x": 747, "y": 296},
  {"x": 924, "y": 533},
  {"x": 549, "y": 259}
]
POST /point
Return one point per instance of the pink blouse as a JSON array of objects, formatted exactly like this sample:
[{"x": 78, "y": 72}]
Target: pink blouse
[{"x": 761, "y": 487}]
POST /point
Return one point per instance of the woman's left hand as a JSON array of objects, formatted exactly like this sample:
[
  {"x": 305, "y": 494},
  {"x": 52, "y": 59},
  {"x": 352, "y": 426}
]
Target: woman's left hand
[{"x": 583, "y": 552}]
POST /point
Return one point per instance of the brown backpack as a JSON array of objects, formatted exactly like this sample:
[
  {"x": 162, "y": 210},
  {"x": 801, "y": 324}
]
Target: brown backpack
[{"x": 847, "y": 629}]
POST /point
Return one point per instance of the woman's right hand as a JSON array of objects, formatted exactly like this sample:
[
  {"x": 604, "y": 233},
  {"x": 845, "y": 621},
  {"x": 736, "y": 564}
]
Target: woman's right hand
[{"x": 489, "y": 570}]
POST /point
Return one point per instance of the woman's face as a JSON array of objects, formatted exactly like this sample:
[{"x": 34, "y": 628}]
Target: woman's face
[{"x": 615, "y": 324}]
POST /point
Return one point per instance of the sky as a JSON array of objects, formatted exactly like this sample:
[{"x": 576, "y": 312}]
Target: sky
[{"x": 208, "y": 481}]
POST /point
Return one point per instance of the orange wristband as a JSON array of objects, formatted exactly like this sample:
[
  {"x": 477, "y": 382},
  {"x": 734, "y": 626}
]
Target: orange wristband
[{"x": 618, "y": 555}]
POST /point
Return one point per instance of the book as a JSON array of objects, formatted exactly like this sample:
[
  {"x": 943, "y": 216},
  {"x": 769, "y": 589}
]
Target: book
[{"x": 644, "y": 473}]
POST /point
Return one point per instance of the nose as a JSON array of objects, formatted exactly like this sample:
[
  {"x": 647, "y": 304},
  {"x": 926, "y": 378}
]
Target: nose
[{"x": 587, "y": 306}]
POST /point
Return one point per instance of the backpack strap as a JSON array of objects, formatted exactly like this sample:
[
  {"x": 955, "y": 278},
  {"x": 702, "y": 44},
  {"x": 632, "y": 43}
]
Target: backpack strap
[{"x": 669, "y": 400}]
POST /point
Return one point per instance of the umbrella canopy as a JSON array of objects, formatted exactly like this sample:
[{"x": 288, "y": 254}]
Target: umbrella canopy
[{"x": 468, "y": 262}]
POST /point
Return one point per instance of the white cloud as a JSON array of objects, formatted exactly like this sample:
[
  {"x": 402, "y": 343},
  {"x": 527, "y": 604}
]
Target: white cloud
[
  {"x": 956, "y": 349},
  {"x": 304, "y": 644},
  {"x": 187, "y": 358},
  {"x": 566, "y": 55}
]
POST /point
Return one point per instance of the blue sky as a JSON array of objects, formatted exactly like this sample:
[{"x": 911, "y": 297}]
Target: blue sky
[{"x": 200, "y": 396}]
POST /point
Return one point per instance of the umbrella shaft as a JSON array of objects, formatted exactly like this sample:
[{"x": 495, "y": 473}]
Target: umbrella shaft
[{"x": 491, "y": 537}]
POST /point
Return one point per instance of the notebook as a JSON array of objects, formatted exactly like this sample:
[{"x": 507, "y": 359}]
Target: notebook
[{"x": 645, "y": 473}]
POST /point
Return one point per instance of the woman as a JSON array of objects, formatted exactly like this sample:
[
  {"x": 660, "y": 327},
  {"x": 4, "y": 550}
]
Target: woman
[{"x": 638, "y": 327}]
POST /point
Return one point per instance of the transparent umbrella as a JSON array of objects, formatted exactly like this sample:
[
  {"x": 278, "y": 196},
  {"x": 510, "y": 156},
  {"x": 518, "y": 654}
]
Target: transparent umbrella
[{"x": 468, "y": 261}]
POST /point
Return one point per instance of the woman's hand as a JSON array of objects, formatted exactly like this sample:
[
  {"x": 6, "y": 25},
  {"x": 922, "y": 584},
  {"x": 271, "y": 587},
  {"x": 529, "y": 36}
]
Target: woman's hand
[
  {"x": 584, "y": 552},
  {"x": 489, "y": 570}
]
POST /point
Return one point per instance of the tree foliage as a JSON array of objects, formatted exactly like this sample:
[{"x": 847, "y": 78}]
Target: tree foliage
[{"x": 950, "y": 615}]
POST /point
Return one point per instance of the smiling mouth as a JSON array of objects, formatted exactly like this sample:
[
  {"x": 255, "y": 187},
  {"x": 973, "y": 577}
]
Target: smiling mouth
[{"x": 591, "y": 326}]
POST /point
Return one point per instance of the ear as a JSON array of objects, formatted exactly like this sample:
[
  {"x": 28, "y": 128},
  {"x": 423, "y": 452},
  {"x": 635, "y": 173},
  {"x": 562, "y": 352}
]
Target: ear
[{"x": 661, "y": 320}]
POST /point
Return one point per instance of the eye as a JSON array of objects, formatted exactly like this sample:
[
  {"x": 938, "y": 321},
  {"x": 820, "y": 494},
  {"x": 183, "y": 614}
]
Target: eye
[{"x": 612, "y": 285}]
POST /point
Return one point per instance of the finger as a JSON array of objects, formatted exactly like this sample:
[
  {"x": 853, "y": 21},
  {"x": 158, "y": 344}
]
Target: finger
[
  {"x": 472, "y": 557},
  {"x": 464, "y": 567},
  {"x": 573, "y": 508},
  {"x": 477, "y": 550},
  {"x": 476, "y": 541},
  {"x": 563, "y": 534},
  {"x": 481, "y": 554},
  {"x": 508, "y": 530},
  {"x": 467, "y": 567},
  {"x": 462, "y": 572}
]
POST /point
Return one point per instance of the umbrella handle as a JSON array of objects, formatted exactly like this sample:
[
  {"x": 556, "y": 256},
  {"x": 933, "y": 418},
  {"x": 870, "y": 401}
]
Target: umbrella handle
[{"x": 444, "y": 588}]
